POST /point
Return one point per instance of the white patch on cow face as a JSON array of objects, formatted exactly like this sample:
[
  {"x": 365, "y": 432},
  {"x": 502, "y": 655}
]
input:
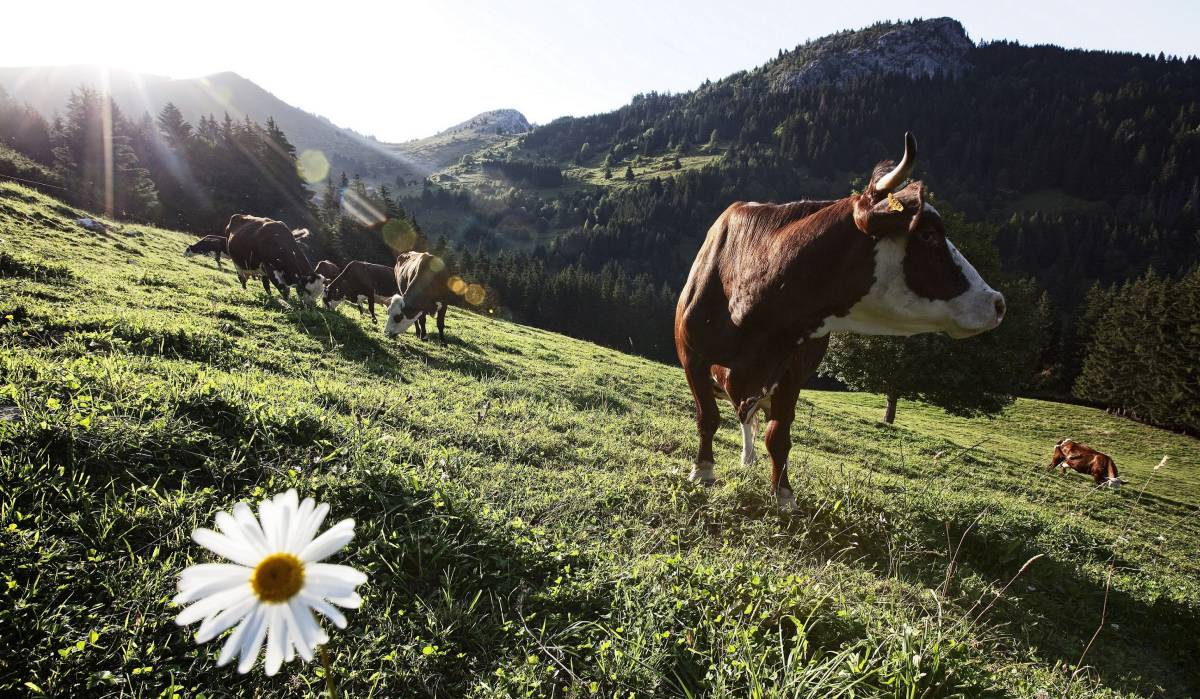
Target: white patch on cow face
[
  {"x": 315, "y": 290},
  {"x": 396, "y": 322},
  {"x": 892, "y": 308}
]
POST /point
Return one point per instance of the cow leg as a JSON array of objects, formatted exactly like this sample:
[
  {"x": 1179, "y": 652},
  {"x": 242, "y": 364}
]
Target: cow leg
[
  {"x": 707, "y": 416},
  {"x": 421, "y": 325},
  {"x": 266, "y": 284},
  {"x": 371, "y": 305},
  {"x": 241, "y": 278},
  {"x": 441, "y": 323},
  {"x": 780, "y": 415}
]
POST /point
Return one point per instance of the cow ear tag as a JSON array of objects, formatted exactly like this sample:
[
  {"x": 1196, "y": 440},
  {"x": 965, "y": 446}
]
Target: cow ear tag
[{"x": 894, "y": 203}]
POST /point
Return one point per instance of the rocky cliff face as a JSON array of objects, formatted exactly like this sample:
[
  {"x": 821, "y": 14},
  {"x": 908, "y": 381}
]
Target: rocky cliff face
[
  {"x": 923, "y": 48},
  {"x": 499, "y": 122}
]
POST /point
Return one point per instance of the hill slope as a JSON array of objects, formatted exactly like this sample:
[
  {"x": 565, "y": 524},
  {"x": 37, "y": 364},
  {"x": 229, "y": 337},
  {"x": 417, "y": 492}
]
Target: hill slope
[
  {"x": 471, "y": 136},
  {"x": 523, "y": 513}
]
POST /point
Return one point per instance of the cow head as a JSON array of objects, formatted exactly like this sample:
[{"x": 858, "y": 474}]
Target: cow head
[
  {"x": 398, "y": 317},
  {"x": 311, "y": 287},
  {"x": 922, "y": 283}
]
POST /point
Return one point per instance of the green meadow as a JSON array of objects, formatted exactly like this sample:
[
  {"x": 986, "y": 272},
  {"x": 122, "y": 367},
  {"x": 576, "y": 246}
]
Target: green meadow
[{"x": 523, "y": 511}]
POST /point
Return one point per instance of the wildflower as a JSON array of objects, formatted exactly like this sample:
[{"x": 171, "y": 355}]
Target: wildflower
[{"x": 273, "y": 584}]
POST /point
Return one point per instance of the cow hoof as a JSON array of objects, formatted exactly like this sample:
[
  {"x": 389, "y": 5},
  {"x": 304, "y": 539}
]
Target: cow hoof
[
  {"x": 786, "y": 500},
  {"x": 703, "y": 473}
]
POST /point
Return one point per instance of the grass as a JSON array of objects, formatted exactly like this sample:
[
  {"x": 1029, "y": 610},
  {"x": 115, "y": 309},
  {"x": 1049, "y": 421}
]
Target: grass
[{"x": 524, "y": 515}]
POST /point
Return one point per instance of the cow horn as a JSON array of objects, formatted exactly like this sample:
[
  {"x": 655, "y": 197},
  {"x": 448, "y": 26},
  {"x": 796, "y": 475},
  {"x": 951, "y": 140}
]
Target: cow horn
[{"x": 900, "y": 173}]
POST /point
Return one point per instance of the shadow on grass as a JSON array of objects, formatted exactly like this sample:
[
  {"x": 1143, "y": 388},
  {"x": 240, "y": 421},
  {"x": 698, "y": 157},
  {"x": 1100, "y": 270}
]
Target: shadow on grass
[{"x": 1053, "y": 609}]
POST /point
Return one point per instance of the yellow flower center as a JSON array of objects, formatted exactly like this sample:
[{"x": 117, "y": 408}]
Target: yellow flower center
[{"x": 277, "y": 577}]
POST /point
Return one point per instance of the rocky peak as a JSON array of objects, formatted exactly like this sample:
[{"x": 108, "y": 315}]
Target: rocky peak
[
  {"x": 917, "y": 49},
  {"x": 504, "y": 122}
]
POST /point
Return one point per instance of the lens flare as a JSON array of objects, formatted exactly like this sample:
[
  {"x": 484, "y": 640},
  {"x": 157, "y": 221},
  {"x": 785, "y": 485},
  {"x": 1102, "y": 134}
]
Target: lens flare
[
  {"x": 475, "y": 294},
  {"x": 457, "y": 285},
  {"x": 361, "y": 210},
  {"x": 313, "y": 166},
  {"x": 399, "y": 235},
  {"x": 437, "y": 264}
]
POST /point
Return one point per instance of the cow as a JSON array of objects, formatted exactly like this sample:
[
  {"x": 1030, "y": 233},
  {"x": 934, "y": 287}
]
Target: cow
[
  {"x": 1069, "y": 454},
  {"x": 771, "y": 281},
  {"x": 261, "y": 247},
  {"x": 208, "y": 245},
  {"x": 362, "y": 281},
  {"x": 327, "y": 269},
  {"x": 422, "y": 288}
]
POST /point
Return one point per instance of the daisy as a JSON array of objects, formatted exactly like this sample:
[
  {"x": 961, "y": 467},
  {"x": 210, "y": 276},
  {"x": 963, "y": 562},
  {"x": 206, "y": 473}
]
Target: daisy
[{"x": 273, "y": 584}]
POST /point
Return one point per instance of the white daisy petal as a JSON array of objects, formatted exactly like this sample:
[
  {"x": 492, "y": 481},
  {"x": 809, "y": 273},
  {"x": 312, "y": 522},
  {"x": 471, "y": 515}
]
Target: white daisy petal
[
  {"x": 216, "y": 625},
  {"x": 252, "y": 642},
  {"x": 250, "y": 526},
  {"x": 350, "y": 601},
  {"x": 195, "y": 592},
  {"x": 276, "y": 639},
  {"x": 329, "y": 543},
  {"x": 324, "y": 608},
  {"x": 230, "y": 528},
  {"x": 249, "y": 625},
  {"x": 298, "y": 635},
  {"x": 309, "y": 530},
  {"x": 225, "y": 547},
  {"x": 204, "y": 573},
  {"x": 296, "y": 538},
  {"x": 270, "y": 526},
  {"x": 210, "y": 606},
  {"x": 333, "y": 572}
]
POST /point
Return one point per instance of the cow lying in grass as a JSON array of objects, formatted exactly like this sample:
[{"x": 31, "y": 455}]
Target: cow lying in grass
[
  {"x": 213, "y": 245},
  {"x": 1069, "y": 454}
]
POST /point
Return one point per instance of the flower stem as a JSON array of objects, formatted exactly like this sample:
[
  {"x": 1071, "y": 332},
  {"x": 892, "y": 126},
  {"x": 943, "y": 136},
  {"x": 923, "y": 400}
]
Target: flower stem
[{"x": 329, "y": 685}]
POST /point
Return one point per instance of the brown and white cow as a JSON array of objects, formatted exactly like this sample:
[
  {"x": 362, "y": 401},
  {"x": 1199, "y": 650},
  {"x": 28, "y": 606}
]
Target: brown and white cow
[
  {"x": 1069, "y": 454},
  {"x": 212, "y": 245},
  {"x": 262, "y": 247},
  {"x": 362, "y": 281},
  {"x": 423, "y": 288},
  {"x": 771, "y": 281}
]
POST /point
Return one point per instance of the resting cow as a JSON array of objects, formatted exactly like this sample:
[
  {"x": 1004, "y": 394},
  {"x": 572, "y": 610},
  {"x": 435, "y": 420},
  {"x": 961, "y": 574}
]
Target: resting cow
[
  {"x": 362, "y": 281},
  {"x": 261, "y": 247},
  {"x": 1069, "y": 454},
  {"x": 422, "y": 288},
  {"x": 771, "y": 281},
  {"x": 208, "y": 245}
]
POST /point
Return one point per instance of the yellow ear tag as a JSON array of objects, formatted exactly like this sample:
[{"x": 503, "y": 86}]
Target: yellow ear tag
[{"x": 894, "y": 203}]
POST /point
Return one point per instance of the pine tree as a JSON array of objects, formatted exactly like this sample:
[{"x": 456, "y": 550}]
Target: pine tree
[{"x": 629, "y": 177}]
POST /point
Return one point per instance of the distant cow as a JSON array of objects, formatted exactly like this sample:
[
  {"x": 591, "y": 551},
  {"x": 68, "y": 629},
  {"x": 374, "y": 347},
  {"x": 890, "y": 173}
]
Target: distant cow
[
  {"x": 1083, "y": 459},
  {"x": 362, "y": 281},
  {"x": 422, "y": 288},
  {"x": 261, "y": 247},
  {"x": 771, "y": 281},
  {"x": 212, "y": 245}
]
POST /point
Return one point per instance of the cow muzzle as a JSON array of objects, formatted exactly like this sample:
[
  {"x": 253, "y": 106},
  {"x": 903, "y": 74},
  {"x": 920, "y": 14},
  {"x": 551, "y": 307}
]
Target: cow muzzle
[{"x": 983, "y": 313}]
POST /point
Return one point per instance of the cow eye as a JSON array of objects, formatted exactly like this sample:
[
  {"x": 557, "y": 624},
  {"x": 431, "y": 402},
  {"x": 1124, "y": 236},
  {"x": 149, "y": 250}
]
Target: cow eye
[
  {"x": 925, "y": 235},
  {"x": 398, "y": 319}
]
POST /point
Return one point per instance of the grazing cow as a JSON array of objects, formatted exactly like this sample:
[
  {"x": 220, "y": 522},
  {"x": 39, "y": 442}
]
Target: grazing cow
[
  {"x": 208, "y": 245},
  {"x": 771, "y": 281},
  {"x": 261, "y": 247},
  {"x": 327, "y": 269},
  {"x": 362, "y": 281},
  {"x": 422, "y": 288},
  {"x": 1069, "y": 454}
]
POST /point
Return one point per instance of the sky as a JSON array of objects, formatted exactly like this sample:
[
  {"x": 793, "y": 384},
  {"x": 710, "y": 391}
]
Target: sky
[{"x": 402, "y": 69}]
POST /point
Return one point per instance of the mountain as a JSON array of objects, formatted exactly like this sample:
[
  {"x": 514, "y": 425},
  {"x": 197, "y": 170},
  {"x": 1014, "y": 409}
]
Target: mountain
[
  {"x": 47, "y": 90},
  {"x": 471, "y": 136},
  {"x": 932, "y": 48}
]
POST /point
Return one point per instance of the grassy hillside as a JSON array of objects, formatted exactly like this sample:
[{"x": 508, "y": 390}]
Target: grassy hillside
[{"x": 523, "y": 511}]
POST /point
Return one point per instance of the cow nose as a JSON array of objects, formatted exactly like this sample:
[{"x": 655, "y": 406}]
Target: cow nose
[{"x": 999, "y": 303}]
